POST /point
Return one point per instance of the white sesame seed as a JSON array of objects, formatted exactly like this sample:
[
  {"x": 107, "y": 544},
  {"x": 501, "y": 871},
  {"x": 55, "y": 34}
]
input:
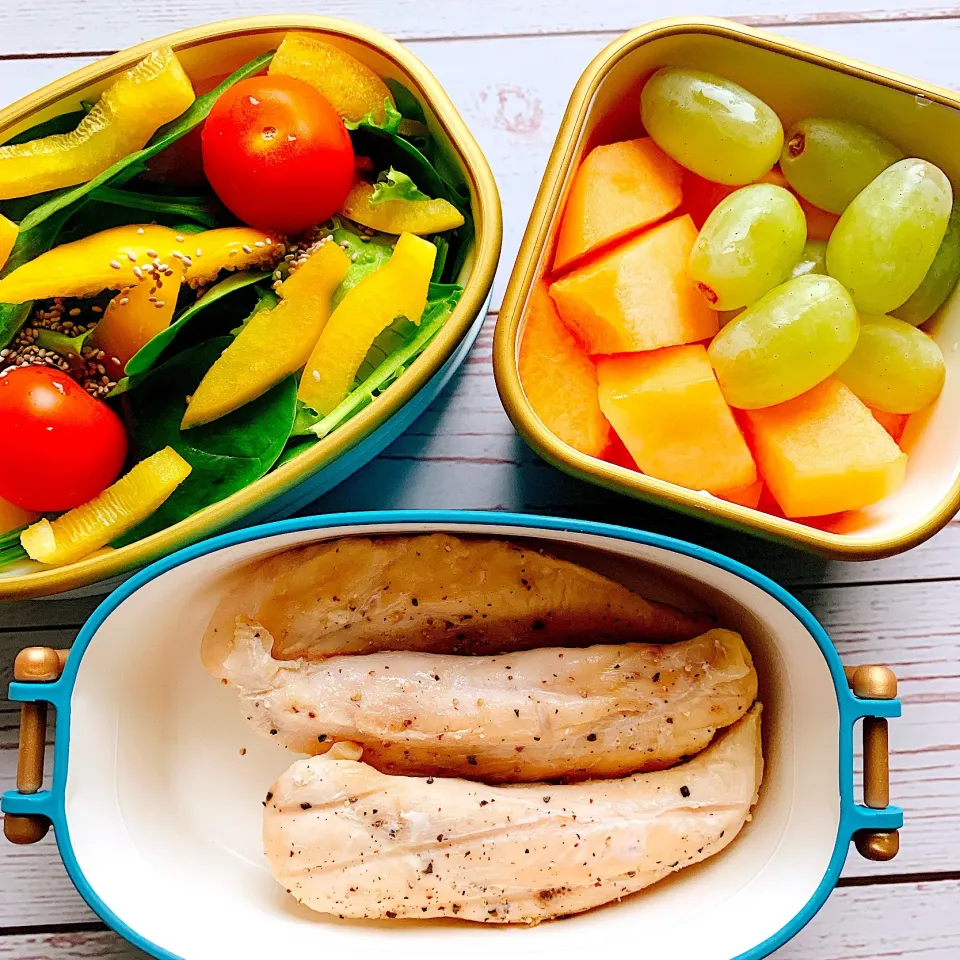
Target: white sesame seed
[
  {"x": 138, "y": 273},
  {"x": 316, "y": 375},
  {"x": 115, "y": 264},
  {"x": 199, "y": 252},
  {"x": 124, "y": 301},
  {"x": 140, "y": 230},
  {"x": 97, "y": 309},
  {"x": 152, "y": 254},
  {"x": 247, "y": 248},
  {"x": 259, "y": 243},
  {"x": 158, "y": 304},
  {"x": 131, "y": 256},
  {"x": 178, "y": 238}
]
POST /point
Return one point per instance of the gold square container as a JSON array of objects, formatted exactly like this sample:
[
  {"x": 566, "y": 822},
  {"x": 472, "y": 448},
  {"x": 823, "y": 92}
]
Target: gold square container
[
  {"x": 213, "y": 50},
  {"x": 797, "y": 81}
]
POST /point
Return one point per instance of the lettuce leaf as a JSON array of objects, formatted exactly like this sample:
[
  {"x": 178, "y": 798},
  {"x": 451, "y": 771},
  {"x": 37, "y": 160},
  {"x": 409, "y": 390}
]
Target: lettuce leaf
[
  {"x": 389, "y": 124},
  {"x": 394, "y": 185}
]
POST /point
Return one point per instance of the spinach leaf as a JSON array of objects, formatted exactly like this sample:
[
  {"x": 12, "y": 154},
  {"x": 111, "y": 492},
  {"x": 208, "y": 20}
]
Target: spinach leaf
[
  {"x": 392, "y": 352},
  {"x": 391, "y": 150},
  {"x": 202, "y": 210},
  {"x": 295, "y": 446},
  {"x": 226, "y": 455},
  {"x": 266, "y": 300},
  {"x": 92, "y": 216},
  {"x": 408, "y": 105},
  {"x": 147, "y": 356},
  {"x": 194, "y": 115},
  {"x": 62, "y": 123},
  {"x": 28, "y": 245}
]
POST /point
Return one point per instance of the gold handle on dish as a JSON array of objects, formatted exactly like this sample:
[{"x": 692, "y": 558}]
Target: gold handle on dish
[
  {"x": 33, "y": 665},
  {"x": 875, "y": 683}
]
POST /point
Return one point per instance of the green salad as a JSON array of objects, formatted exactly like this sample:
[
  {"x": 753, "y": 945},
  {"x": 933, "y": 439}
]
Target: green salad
[{"x": 201, "y": 278}]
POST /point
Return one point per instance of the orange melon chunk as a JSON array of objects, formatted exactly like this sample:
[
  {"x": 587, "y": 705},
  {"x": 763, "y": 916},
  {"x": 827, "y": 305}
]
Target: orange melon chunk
[
  {"x": 893, "y": 423},
  {"x": 748, "y": 496},
  {"x": 619, "y": 188},
  {"x": 823, "y": 452},
  {"x": 638, "y": 296},
  {"x": 560, "y": 380},
  {"x": 667, "y": 408}
]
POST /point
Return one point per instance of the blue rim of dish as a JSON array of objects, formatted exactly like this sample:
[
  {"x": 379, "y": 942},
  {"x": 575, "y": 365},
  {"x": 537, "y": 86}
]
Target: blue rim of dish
[{"x": 51, "y": 803}]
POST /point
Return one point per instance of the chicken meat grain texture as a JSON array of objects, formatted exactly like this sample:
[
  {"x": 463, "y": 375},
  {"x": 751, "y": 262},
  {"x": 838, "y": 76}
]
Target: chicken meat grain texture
[
  {"x": 433, "y": 593},
  {"x": 548, "y": 713},
  {"x": 345, "y": 839}
]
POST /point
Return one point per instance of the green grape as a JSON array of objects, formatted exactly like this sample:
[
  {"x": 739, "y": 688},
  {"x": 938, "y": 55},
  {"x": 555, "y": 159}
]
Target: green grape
[
  {"x": 786, "y": 343},
  {"x": 710, "y": 125},
  {"x": 812, "y": 260},
  {"x": 894, "y": 367},
  {"x": 941, "y": 278},
  {"x": 828, "y": 162},
  {"x": 749, "y": 244},
  {"x": 886, "y": 240}
]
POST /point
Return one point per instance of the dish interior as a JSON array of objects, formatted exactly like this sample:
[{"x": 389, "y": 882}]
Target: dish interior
[
  {"x": 165, "y": 783},
  {"x": 796, "y": 88}
]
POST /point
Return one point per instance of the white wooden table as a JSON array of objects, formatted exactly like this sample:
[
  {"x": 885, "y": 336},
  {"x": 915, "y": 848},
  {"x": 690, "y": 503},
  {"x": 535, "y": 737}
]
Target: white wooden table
[{"x": 509, "y": 66}]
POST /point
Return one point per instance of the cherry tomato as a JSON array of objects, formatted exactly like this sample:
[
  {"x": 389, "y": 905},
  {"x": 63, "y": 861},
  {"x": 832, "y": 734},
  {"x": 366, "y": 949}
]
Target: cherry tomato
[
  {"x": 277, "y": 154},
  {"x": 59, "y": 447}
]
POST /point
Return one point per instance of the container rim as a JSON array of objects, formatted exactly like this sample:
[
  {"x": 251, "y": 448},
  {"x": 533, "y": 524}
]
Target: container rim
[
  {"x": 485, "y": 201},
  {"x": 51, "y": 803},
  {"x": 620, "y": 479}
]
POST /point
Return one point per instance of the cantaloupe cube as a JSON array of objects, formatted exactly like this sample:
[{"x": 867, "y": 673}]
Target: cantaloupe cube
[
  {"x": 560, "y": 380},
  {"x": 893, "y": 423},
  {"x": 619, "y": 188},
  {"x": 638, "y": 296},
  {"x": 617, "y": 454},
  {"x": 667, "y": 408},
  {"x": 700, "y": 196},
  {"x": 748, "y": 496},
  {"x": 823, "y": 452}
]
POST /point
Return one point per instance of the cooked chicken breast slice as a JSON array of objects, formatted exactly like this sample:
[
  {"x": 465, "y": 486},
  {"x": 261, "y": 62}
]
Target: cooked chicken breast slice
[
  {"x": 543, "y": 714},
  {"x": 345, "y": 839},
  {"x": 432, "y": 592}
]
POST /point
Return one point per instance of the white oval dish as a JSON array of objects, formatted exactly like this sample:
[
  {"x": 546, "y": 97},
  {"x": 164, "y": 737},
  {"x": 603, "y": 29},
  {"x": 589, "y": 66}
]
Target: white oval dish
[{"x": 158, "y": 782}]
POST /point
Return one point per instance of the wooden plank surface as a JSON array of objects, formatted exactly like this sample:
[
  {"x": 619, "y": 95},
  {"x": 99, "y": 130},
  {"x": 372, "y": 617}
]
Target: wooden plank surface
[{"x": 509, "y": 66}]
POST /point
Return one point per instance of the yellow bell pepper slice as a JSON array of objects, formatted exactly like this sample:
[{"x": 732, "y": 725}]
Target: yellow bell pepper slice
[
  {"x": 274, "y": 343},
  {"x": 87, "y": 528},
  {"x": 117, "y": 258},
  {"x": 127, "y": 114},
  {"x": 397, "y": 289},
  {"x": 12, "y": 516},
  {"x": 352, "y": 88},
  {"x": 8, "y": 237},
  {"x": 400, "y": 216},
  {"x": 137, "y": 314}
]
